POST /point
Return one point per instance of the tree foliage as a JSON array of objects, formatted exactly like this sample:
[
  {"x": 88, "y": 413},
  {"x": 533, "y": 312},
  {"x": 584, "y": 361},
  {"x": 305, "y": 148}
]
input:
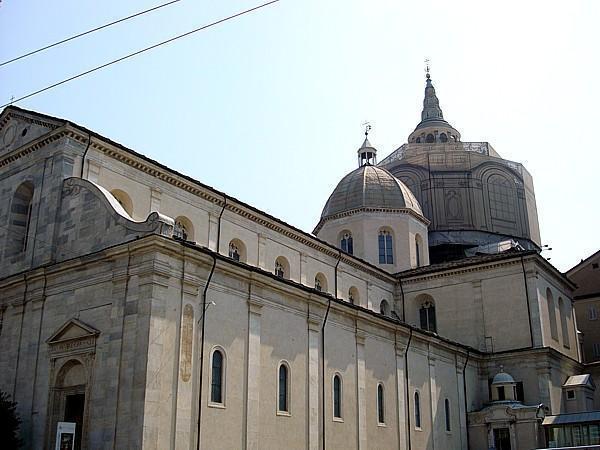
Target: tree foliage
[{"x": 9, "y": 423}]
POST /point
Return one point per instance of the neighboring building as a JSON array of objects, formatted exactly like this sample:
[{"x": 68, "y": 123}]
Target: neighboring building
[
  {"x": 586, "y": 300},
  {"x": 471, "y": 196},
  {"x": 156, "y": 312}
]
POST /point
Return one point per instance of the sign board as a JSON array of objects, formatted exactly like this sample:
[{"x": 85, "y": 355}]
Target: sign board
[{"x": 65, "y": 436}]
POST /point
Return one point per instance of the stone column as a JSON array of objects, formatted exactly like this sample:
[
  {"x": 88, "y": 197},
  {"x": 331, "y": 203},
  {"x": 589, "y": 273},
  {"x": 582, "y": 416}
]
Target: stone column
[
  {"x": 252, "y": 401},
  {"x": 401, "y": 400},
  {"x": 361, "y": 382},
  {"x": 314, "y": 329}
]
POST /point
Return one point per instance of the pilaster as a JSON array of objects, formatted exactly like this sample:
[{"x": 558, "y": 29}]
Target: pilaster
[
  {"x": 361, "y": 381},
  {"x": 314, "y": 328},
  {"x": 253, "y": 400}
]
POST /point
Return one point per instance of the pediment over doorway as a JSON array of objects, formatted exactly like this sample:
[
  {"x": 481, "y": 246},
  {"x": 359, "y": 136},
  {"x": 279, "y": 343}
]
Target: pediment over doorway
[{"x": 73, "y": 335}]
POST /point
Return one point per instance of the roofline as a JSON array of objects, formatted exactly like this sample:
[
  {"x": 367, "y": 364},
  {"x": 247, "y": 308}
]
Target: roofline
[
  {"x": 577, "y": 266},
  {"x": 500, "y": 257},
  {"x": 188, "y": 178}
]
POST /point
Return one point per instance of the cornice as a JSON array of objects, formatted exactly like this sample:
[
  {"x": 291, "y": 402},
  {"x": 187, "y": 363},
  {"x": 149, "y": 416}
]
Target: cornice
[
  {"x": 32, "y": 146},
  {"x": 351, "y": 212},
  {"x": 443, "y": 273}
]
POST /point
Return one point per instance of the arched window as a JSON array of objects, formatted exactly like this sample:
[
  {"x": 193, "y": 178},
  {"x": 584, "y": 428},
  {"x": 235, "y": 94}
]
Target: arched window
[
  {"x": 430, "y": 138},
  {"x": 386, "y": 252},
  {"x": 353, "y": 296},
  {"x": 337, "y": 396},
  {"x": 417, "y": 411},
  {"x": 418, "y": 248},
  {"x": 501, "y": 195},
  {"x": 552, "y": 314},
  {"x": 564, "y": 320},
  {"x": 418, "y": 141},
  {"x": 20, "y": 219},
  {"x": 380, "y": 404},
  {"x": 282, "y": 268},
  {"x": 320, "y": 282},
  {"x": 427, "y": 316},
  {"x": 447, "y": 409},
  {"x": 183, "y": 229},
  {"x": 443, "y": 137},
  {"x": 237, "y": 250},
  {"x": 346, "y": 242},
  {"x": 217, "y": 377},
  {"x": 124, "y": 200},
  {"x": 283, "y": 404},
  {"x": 384, "y": 308}
]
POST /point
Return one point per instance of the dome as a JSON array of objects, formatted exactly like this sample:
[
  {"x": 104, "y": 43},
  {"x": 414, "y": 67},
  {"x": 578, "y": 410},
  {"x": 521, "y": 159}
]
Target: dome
[
  {"x": 370, "y": 187},
  {"x": 503, "y": 378}
]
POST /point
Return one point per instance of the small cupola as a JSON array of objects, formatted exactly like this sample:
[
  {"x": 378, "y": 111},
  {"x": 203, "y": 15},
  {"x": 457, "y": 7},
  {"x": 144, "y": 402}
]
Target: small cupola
[
  {"x": 504, "y": 387},
  {"x": 367, "y": 154}
]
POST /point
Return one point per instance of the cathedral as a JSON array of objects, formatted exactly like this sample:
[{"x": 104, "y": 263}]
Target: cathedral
[{"x": 143, "y": 309}]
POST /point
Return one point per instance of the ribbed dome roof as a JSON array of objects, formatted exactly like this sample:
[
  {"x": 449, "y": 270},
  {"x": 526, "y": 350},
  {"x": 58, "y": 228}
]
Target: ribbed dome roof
[{"x": 370, "y": 187}]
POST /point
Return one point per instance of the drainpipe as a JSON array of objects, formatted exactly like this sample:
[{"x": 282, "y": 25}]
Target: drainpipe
[
  {"x": 527, "y": 299},
  {"x": 85, "y": 153},
  {"x": 203, "y": 318},
  {"x": 402, "y": 295},
  {"x": 406, "y": 389},
  {"x": 335, "y": 283},
  {"x": 465, "y": 399}
]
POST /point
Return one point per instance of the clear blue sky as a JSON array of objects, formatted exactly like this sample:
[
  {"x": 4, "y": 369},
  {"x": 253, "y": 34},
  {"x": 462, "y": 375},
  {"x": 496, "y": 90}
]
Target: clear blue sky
[{"x": 268, "y": 107}]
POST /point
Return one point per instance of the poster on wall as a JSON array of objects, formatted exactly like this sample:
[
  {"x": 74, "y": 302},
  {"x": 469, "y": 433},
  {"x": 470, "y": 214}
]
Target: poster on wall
[{"x": 65, "y": 436}]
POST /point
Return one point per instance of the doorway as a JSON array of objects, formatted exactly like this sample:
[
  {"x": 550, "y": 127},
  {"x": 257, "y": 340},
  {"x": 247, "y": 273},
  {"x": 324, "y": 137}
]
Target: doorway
[
  {"x": 502, "y": 439},
  {"x": 74, "y": 407}
]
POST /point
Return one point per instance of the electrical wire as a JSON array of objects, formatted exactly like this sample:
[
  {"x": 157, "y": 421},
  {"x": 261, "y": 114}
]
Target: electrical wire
[
  {"x": 130, "y": 55},
  {"x": 106, "y": 25}
]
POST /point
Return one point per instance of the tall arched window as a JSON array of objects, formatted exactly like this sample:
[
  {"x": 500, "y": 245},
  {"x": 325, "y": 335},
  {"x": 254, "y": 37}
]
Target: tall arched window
[
  {"x": 418, "y": 249},
  {"x": 320, "y": 282},
  {"x": 20, "y": 219},
  {"x": 429, "y": 138},
  {"x": 552, "y": 314},
  {"x": 427, "y": 316},
  {"x": 386, "y": 252},
  {"x": 417, "y": 410},
  {"x": 216, "y": 382},
  {"x": 337, "y": 396},
  {"x": 564, "y": 320},
  {"x": 283, "y": 389},
  {"x": 380, "y": 404},
  {"x": 384, "y": 308},
  {"x": 501, "y": 196},
  {"x": 447, "y": 409},
  {"x": 282, "y": 268},
  {"x": 346, "y": 242}
]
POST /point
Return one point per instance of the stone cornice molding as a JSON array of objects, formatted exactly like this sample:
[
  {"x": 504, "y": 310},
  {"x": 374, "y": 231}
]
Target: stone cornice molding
[
  {"x": 371, "y": 210},
  {"x": 443, "y": 273}
]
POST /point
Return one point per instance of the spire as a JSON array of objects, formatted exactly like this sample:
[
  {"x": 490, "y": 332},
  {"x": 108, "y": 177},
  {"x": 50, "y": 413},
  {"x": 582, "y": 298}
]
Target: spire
[
  {"x": 367, "y": 154},
  {"x": 431, "y": 104}
]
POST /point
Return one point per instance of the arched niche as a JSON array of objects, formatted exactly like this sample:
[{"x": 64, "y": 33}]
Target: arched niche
[
  {"x": 321, "y": 282},
  {"x": 19, "y": 220},
  {"x": 282, "y": 267},
  {"x": 237, "y": 250},
  {"x": 124, "y": 200},
  {"x": 184, "y": 229}
]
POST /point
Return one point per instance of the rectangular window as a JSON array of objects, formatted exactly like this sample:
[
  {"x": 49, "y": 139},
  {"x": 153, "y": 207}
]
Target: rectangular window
[
  {"x": 381, "y": 249},
  {"x": 571, "y": 394},
  {"x": 596, "y": 349},
  {"x": 592, "y": 313},
  {"x": 520, "y": 392}
]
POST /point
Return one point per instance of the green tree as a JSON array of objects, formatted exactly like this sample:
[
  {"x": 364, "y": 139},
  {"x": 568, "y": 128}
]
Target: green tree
[{"x": 9, "y": 423}]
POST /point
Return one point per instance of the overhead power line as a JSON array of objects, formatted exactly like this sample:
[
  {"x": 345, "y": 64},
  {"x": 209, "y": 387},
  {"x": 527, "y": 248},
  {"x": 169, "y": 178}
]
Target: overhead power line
[
  {"x": 130, "y": 55},
  {"x": 41, "y": 49}
]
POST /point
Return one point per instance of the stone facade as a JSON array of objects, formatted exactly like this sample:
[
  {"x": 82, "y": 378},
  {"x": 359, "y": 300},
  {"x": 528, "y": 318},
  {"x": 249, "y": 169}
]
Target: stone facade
[{"x": 130, "y": 281}]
